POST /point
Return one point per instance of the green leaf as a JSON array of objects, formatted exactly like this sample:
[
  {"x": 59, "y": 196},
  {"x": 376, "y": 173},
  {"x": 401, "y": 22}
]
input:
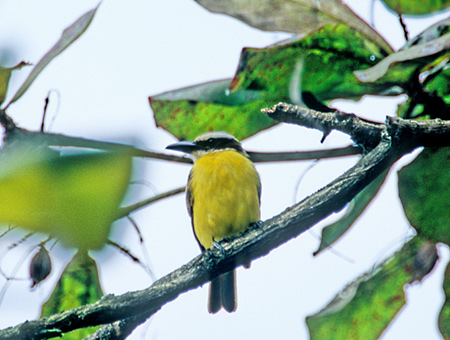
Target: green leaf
[
  {"x": 78, "y": 285},
  {"x": 365, "y": 308},
  {"x": 191, "y": 111},
  {"x": 423, "y": 189},
  {"x": 444, "y": 315},
  {"x": 334, "y": 231},
  {"x": 69, "y": 35},
  {"x": 74, "y": 198},
  {"x": 401, "y": 65},
  {"x": 329, "y": 56},
  {"x": 5, "y": 75},
  {"x": 300, "y": 17},
  {"x": 416, "y": 7}
]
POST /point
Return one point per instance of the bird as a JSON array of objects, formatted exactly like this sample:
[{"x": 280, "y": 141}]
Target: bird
[{"x": 223, "y": 197}]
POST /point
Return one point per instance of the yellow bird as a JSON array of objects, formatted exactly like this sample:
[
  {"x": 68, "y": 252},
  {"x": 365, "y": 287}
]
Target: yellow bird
[{"x": 223, "y": 198}]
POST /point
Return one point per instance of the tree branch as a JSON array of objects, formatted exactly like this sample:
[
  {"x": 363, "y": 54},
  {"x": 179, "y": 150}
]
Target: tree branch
[
  {"x": 363, "y": 132},
  {"x": 397, "y": 137}
]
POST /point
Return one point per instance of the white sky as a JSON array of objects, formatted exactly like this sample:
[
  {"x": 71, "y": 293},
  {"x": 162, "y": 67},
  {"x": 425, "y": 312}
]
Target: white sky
[{"x": 138, "y": 48}]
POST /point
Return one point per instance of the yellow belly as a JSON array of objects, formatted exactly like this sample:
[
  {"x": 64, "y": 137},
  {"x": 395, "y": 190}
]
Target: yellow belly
[{"x": 224, "y": 190}]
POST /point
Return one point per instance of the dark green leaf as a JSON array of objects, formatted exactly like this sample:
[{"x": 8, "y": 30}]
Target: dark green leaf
[
  {"x": 416, "y": 7},
  {"x": 366, "y": 307},
  {"x": 423, "y": 189},
  {"x": 333, "y": 232},
  {"x": 424, "y": 49},
  {"x": 328, "y": 58},
  {"x": 444, "y": 315}
]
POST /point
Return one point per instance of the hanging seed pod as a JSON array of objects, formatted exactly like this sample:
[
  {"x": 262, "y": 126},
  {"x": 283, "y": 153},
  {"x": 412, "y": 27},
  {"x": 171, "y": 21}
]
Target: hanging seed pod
[{"x": 40, "y": 266}]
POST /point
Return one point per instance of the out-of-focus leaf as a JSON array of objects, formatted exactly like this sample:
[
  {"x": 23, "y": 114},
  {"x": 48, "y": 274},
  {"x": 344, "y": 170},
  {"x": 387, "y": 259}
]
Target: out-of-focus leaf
[
  {"x": 191, "y": 111},
  {"x": 300, "y": 17},
  {"x": 432, "y": 42},
  {"x": 5, "y": 75},
  {"x": 414, "y": 7},
  {"x": 329, "y": 57},
  {"x": 334, "y": 231},
  {"x": 74, "y": 198},
  {"x": 444, "y": 315},
  {"x": 78, "y": 285},
  {"x": 69, "y": 35},
  {"x": 423, "y": 189},
  {"x": 365, "y": 308}
]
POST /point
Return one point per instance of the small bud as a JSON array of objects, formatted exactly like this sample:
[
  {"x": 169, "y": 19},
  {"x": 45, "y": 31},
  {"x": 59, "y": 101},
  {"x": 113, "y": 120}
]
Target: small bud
[{"x": 40, "y": 266}]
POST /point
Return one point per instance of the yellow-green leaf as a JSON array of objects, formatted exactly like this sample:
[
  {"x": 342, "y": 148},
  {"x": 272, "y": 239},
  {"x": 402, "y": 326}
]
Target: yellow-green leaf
[
  {"x": 423, "y": 189},
  {"x": 74, "y": 198},
  {"x": 191, "y": 111},
  {"x": 78, "y": 285}
]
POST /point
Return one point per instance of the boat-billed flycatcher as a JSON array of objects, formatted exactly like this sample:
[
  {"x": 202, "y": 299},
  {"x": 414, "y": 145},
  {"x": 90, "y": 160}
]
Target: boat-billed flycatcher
[{"x": 223, "y": 198}]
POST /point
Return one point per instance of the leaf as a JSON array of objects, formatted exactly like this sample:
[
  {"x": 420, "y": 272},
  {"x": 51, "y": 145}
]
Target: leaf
[
  {"x": 365, "y": 307},
  {"x": 423, "y": 189},
  {"x": 69, "y": 35},
  {"x": 191, "y": 111},
  {"x": 300, "y": 17},
  {"x": 416, "y": 7},
  {"x": 329, "y": 57},
  {"x": 444, "y": 314},
  {"x": 333, "y": 232},
  {"x": 266, "y": 76},
  {"x": 74, "y": 198},
  {"x": 78, "y": 285},
  {"x": 430, "y": 43},
  {"x": 5, "y": 75}
]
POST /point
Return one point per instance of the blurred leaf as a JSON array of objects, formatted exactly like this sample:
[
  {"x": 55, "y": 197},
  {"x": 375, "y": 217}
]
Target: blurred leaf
[
  {"x": 78, "y": 285},
  {"x": 333, "y": 232},
  {"x": 423, "y": 188},
  {"x": 300, "y": 17},
  {"x": 432, "y": 42},
  {"x": 191, "y": 111},
  {"x": 74, "y": 198},
  {"x": 416, "y": 7},
  {"x": 365, "y": 308},
  {"x": 444, "y": 315},
  {"x": 329, "y": 57},
  {"x": 5, "y": 75},
  {"x": 69, "y": 35}
]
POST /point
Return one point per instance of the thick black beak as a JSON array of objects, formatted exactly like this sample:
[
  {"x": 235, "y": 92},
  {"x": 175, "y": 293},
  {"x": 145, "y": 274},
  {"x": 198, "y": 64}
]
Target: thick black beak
[{"x": 184, "y": 146}]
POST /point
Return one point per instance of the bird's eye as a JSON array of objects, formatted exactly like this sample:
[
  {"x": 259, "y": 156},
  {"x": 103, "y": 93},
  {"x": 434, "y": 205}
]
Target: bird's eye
[{"x": 210, "y": 140}]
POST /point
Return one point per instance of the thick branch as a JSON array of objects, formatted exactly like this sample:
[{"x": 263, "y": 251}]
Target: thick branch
[{"x": 362, "y": 132}]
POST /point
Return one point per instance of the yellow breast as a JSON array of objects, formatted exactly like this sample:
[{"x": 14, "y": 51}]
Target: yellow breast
[{"x": 224, "y": 193}]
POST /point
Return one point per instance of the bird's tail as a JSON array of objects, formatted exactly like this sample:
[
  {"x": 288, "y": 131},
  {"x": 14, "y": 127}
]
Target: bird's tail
[{"x": 222, "y": 293}]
